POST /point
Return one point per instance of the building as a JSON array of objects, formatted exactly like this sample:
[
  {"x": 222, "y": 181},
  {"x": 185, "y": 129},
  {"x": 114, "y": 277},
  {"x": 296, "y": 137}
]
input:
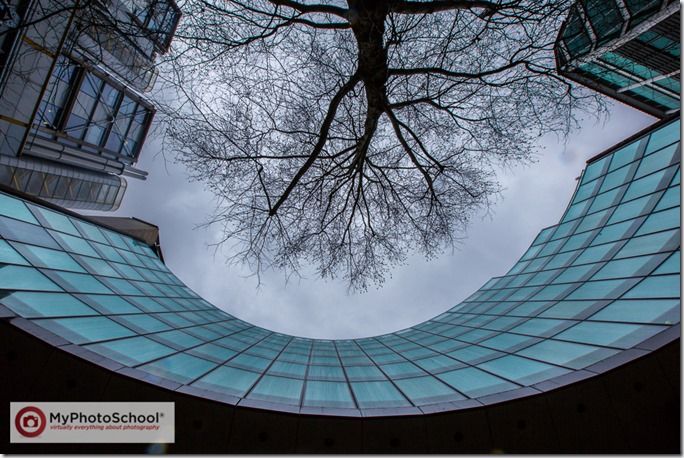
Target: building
[
  {"x": 626, "y": 49},
  {"x": 73, "y": 114},
  {"x": 575, "y": 349}
]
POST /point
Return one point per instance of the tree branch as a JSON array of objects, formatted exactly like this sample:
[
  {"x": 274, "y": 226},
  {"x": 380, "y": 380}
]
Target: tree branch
[{"x": 322, "y": 138}]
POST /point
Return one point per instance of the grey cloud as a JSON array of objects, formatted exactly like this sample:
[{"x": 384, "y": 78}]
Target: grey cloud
[{"x": 534, "y": 197}]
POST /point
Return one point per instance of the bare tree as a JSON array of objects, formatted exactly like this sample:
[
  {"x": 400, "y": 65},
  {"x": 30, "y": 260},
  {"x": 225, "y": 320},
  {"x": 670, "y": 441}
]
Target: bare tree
[{"x": 348, "y": 135}]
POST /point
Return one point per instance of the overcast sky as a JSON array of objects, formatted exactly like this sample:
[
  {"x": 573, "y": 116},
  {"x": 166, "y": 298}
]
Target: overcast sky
[{"x": 535, "y": 196}]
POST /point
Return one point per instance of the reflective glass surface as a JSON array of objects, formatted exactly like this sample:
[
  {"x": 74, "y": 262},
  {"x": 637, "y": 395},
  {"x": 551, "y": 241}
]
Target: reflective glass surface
[{"x": 602, "y": 281}]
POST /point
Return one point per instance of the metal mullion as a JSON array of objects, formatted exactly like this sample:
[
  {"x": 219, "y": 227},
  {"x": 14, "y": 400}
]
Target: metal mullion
[
  {"x": 346, "y": 378},
  {"x": 76, "y": 81},
  {"x": 98, "y": 101},
  {"x": 306, "y": 375},
  {"x": 130, "y": 123},
  {"x": 149, "y": 116},
  {"x": 115, "y": 113}
]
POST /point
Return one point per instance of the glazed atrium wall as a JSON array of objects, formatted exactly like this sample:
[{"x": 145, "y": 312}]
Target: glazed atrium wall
[{"x": 595, "y": 294}]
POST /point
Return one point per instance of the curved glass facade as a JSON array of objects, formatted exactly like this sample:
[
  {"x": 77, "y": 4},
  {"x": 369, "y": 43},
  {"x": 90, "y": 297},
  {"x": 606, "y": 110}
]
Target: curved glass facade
[{"x": 589, "y": 290}]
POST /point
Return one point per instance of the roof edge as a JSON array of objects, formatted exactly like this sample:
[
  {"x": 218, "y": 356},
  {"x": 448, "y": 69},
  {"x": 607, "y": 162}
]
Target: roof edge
[
  {"x": 634, "y": 137},
  {"x": 38, "y": 201}
]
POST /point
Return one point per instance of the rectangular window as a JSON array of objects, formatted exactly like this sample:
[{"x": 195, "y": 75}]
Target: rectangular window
[
  {"x": 92, "y": 113},
  {"x": 52, "y": 106}
]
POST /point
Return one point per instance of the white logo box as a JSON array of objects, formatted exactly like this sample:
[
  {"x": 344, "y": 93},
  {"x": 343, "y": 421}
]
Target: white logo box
[{"x": 89, "y": 422}]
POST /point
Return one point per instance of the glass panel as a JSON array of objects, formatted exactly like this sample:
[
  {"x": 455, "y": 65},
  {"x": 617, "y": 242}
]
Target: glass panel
[
  {"x": 575, "y": 356},
  {"x": 669, "y": 199},
  {"x": 9, "y": 256},
  {"x": 508, "y": 342},
  {"x": 603, "y": 289},
  {"x": 522, "y": 370},
  {"x": 24, "y": 232},
  {"x": 553, "y": 292},
  {"x": 364, "y": 373},
  {"x": 288, "y": 369},
  {"x": 177, "y": 339},
  {"x": 648, "y": 244},
  {"x": 74, "y": 244},
  {"x": 15, "y": 208},
  {"x": 626, "y": 267},
  {"x": 246, "y": 361},
  {"x": 56, "y": 221},
  {"x": 98, "y": 266},
  {"x": 660, "y": 221},
  {"x": 142, "y": 323},
  {"x": 402, "y": 370},
  {"x": 660, "y": 286},
  {"x": 577, "y": 241},
  {"x": 614, "y": 232},
  {"x": 647, "y": 185},
  {"x": 439, "y": 363},
  {"x": 560, "y": 260},
  {"x": 594, "y": 253},
  {"x": 574, "y": 274},
  {"x": 595, "y": 169},
  {"x": 180, "y": 367},
  {"x": 663, "y": 137},
  {"x": 45, "y": 257},
  {"x": 127, "y": 271},
  {"x": 132, "y": 351},
  {"x": 625, "y": 155},
  {"x": 84, "y": 330},
  {"x": 377, "y": 395},
  {"x": 278, "y": 389},
  {"x": 78, "y": 283},
  {"x": 213, "y": 352},
  {"x": 568, "y": 309},
  {"x": 541, "y": 327},
  {"x": 593, "y": 221},
  {"x": 109, "y": 252},
  {"x": 427, "y": 390},
  {"x": 229, "y": 380},
  {"x": 656, "y": 161},
  {"x": 641, "y": 311},
  {"x": 630, "y": 210},
  {"x": 32, "y": 305},
  {"x": 108, "y": 304},
  {"x": 617, "y": 335},
  {"x": 326, "y": 373},
  {"x": 90, "y": 231},
  {"x": 328, "y": 394},
  {"x": 616, "y": 178},
  {"x": 146, "y": 304},
  {"x": 586, "y": 190},
  {"x": 123, "y": 286},
  {"x": 474, "y": 354},
  {"x": 25, "y": 278},
  {"x": 476, "y": 383},
  {"x": 671, "y": 266}
]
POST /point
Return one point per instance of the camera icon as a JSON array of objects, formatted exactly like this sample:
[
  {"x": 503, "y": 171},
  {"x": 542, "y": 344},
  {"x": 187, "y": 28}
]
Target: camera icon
[{"x": 30, "y": 421}]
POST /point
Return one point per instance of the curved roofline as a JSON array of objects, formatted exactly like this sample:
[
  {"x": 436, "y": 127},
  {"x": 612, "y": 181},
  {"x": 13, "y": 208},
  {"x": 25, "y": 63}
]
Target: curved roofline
[
  {"x": 642, "y": 133},
  {"x": 542, "y": 374}
]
